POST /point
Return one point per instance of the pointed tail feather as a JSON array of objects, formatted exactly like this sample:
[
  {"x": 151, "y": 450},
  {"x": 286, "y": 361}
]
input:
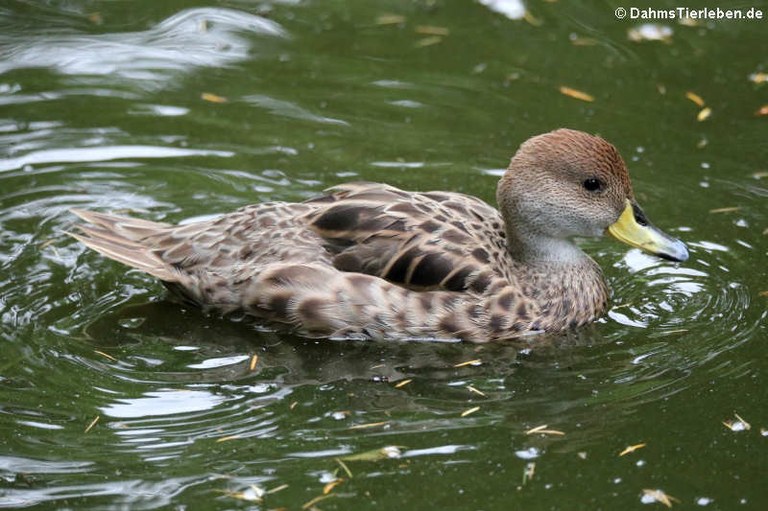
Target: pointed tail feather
[
  {"x": 131, "y": 228},
  {"x": 119, "y": 238}
]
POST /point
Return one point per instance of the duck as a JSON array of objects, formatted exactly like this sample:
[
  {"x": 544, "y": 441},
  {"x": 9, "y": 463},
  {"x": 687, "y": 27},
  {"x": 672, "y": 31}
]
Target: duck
[{"x": 371, "y": 261}]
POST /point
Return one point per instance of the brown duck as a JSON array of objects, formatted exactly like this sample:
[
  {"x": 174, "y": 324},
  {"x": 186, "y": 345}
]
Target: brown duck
[{"x": 369, "y": 260}]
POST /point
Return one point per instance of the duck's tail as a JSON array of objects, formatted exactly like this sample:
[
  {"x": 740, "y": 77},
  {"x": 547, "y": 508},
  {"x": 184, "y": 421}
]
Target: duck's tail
[{"x": 124, "y": 239}]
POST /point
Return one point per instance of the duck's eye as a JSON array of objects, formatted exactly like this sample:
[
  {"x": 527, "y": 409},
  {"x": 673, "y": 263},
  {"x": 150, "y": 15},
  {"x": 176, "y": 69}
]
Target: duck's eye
[{"x": 592, "y": 184}]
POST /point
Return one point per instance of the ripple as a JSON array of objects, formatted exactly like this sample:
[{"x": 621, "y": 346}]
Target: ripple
[
  {"x": 678, "y": 298},
  {"x": 193, "y": 38},
  {"x": 289, "y": 109},
  {"x": 161, "y": 403},
  {"x": 31, "y": 466},
  {"x": 103, "y": 153},
  {"x": 134, "y": 494}
]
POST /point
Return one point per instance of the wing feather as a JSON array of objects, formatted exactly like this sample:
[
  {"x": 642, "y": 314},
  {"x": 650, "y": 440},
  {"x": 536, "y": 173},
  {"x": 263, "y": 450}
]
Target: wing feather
[{"x": 417, "y": 240}]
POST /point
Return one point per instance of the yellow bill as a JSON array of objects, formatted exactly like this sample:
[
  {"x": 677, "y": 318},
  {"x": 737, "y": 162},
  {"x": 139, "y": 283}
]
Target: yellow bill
[{"x": 634, "y": 229}]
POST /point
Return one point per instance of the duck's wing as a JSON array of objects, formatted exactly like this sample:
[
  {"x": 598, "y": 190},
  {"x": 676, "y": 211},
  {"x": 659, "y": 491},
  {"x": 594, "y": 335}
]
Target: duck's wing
[{"x": 426, "y": 241}]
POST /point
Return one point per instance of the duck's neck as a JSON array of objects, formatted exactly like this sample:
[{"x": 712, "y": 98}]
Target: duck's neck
[
  {"x": 565, "y": 285},
  {"x": 532, "y": 249}
]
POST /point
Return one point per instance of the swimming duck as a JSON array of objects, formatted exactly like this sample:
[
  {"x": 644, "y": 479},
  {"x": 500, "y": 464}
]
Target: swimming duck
[{"x": 368, "y": 260}]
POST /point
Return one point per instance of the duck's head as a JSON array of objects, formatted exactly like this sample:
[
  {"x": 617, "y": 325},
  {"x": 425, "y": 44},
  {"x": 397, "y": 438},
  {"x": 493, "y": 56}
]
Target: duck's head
[{"x": 568, "y": 183}]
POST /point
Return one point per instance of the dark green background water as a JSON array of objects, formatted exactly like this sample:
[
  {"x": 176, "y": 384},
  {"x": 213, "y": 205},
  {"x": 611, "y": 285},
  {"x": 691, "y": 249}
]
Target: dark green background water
[{"x": 101, "y": 107}]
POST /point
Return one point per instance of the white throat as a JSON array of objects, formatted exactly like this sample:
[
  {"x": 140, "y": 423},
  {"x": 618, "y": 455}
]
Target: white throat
[{"x": 548, "y": 250}]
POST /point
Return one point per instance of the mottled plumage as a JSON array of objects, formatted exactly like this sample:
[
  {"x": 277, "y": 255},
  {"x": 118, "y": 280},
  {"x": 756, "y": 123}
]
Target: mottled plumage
[{"x": 370, "y": 260}]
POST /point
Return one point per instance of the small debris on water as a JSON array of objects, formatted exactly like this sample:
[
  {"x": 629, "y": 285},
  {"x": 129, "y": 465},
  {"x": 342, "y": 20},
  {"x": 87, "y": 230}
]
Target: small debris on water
[
  {"x": 403, "y": 383},
  {"x": 542, "y": 430},
  {"x": 92, "y": 423},
  {"x": 432, "y": 30},
  {"x": 369, "y": 425},
  {"x": 390, "y": 19},
  {"x": 384, "y": 453},
  {"x": 529, "y": 471},
  {"x": 704, "y": 114},
  {"x": 475, "y": 362},
  {"x": 630, "y": 449},
  {"x": 474, "y": 390},
  {"x": 651, "y": 496},
  {"x": 737, "y": 425},
  {"x": 470, "y": 411},
  {"x": 729, "y": 209},
  {"x": 576, "y": 94},
  {"x": 695, "y": 98},
  {"x": 212, "y": 98}
]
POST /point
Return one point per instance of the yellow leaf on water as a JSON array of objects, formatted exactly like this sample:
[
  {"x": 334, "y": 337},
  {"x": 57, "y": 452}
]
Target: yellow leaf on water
[
  {"x": 212, "y": 98},
  {"x": 659, "y": 496},
  {"x": 631, "y": 449},
  {"x": 730, "y": 209},
  {"x": 544, "y": 431},
  {"x": 473, "y": 389},
  {"x": 704, "y": 114},
  {"x": 311, "y": 503},
  {"x": 432, "y": 30},
  {"x": 105, "y": 355},
  {"x": 474, "y": 362},
  {"x": 429, "y": 41},
  {"x": 576, "y": 94},
  {"x": 759, "y": 77},
  {"x": 470, "y": 411},
  {"x": 403, "y": 383},
  {"x": 369, "y": 425},
  {"x": 531, "y": 19},
  {"x": 278, "y": 488},
  {"x": 92, "y": 423},
  {"x": 583, "y": 41},
  {"x": 390, "y": 19},
  {"x": 763, "y": 110},
  {"x": 345, "y": 467},
  {"x": 695, "y": 98},
  {"x": 331, "y": 485},
  {"x": 254, "y": 361}
]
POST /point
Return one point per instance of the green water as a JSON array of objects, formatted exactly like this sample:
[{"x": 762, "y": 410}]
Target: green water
[{"x": 101, "y": 107}]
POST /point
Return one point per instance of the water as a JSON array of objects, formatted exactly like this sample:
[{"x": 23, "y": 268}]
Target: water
[{"x": 113, "y": 398}]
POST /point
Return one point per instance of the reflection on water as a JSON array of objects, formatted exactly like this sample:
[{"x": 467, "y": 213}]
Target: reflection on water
[
  {"x": 161, "y": 403},
  {"x": 194, "y": 38},
  {"x": 102, "y": 153}
]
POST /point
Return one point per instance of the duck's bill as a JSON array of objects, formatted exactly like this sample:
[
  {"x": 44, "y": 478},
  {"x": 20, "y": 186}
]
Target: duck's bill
[{"x": 634, "y": 229}]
